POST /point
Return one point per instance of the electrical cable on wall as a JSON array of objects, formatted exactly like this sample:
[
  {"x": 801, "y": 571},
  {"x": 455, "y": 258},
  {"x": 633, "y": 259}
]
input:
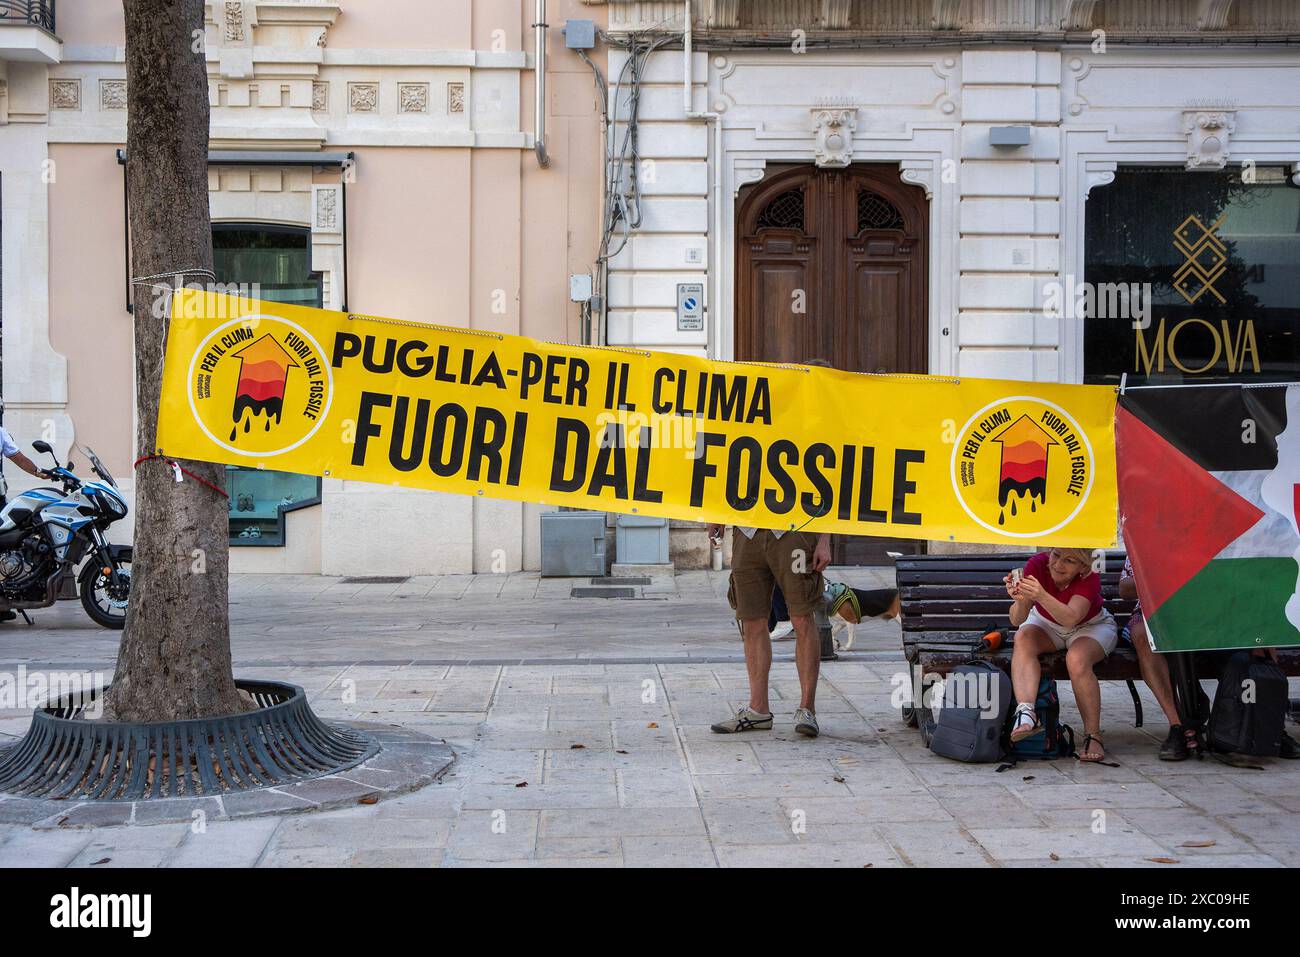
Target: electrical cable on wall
[{"x": 621, "y": 211}]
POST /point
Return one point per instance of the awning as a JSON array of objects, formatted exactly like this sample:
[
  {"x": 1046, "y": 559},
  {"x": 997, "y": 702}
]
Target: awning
[
  {"x": 270, "y": 158},
  {"x": 338, "y": 160}
]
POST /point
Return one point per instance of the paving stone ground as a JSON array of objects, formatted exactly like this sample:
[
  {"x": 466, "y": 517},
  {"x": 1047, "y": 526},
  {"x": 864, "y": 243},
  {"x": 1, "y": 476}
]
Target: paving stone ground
[{"x": 581, "y": 729}]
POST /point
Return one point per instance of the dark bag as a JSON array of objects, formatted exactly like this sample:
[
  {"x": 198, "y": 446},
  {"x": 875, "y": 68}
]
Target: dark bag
[
  {"x": 1054, "y": 739},
  {"x": 976, "y": 700},
  {"x": 1250, "y": 707}
]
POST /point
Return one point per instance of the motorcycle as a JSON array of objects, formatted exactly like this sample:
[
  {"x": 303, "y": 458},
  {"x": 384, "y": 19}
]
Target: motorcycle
[{"x": 45, "y": 533}]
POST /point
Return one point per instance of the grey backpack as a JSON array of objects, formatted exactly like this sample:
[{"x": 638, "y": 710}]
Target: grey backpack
[{"x": 977, "y": 698}]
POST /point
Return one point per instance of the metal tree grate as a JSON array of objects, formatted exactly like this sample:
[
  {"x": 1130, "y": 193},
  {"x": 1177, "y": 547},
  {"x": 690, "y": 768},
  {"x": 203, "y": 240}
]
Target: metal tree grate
[{"x": 282, "y": 742}]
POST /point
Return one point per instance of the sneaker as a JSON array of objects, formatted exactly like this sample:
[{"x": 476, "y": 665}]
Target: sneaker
[
  {"x": 783, "y": 630},
  {"x": 805, "y": 723},
  {"x": 1175, "y": 746},
  {"x": 746, "y": 719}
]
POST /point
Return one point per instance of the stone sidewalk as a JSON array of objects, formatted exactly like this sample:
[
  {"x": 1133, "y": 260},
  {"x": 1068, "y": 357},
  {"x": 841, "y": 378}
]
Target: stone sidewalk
[{"x": 571, "y": 760}]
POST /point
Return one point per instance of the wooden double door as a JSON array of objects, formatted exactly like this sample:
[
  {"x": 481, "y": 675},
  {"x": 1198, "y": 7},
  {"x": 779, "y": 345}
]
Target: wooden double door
[{"x": 832, "y": 264}]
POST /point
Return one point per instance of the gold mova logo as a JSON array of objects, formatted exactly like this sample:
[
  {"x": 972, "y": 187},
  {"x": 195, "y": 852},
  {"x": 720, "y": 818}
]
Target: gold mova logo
[{"x": 1206, "y": 258}]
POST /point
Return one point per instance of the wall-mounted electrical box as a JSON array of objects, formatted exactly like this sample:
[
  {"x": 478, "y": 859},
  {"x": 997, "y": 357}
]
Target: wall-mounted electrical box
[
  {"x": 580, "y": 287},
  {"x": 579, "y": 34}
]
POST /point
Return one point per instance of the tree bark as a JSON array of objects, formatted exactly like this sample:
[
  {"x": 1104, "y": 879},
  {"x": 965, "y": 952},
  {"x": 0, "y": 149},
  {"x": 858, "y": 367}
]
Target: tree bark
[{"x": 174, "y": 660}]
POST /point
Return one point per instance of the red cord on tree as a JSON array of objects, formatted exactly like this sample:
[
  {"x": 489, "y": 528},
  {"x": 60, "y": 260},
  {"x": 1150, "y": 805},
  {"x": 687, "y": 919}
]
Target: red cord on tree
[{"x": 176, "y": 465}]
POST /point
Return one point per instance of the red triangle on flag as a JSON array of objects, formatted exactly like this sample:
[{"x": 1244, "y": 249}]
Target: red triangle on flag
[{"x": 1176, "y": 515}]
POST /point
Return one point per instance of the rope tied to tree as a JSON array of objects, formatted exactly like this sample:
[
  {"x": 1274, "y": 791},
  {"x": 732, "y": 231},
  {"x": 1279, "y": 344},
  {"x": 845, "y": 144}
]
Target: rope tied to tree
[
  {"x": 177, "y": 468},
  {"x": 190, "y": 271},
  {"x": 203, "y": 271}
]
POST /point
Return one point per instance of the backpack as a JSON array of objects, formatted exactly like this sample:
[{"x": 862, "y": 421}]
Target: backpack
[
  {"x": 976, "y": 701},
  {"x": 1249, "y": 723},
  {"x": 1054, "y": 739}
]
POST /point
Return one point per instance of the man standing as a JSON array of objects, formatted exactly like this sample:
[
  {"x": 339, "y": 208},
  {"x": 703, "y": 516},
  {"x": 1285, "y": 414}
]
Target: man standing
[{"x": 760, "y": 560}]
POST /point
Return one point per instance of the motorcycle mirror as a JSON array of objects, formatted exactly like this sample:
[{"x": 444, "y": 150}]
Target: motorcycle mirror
[{"x": 40, "y": 445}]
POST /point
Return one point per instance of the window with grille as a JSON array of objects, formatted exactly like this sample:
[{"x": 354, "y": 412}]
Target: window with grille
[
  {"x": 783, "y": 212},
  {"x": 876, "y": 212}
]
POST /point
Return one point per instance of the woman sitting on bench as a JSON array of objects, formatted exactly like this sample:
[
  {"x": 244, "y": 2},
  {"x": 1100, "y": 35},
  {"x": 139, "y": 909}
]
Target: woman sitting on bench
[{"x": 1058, "y": 605}]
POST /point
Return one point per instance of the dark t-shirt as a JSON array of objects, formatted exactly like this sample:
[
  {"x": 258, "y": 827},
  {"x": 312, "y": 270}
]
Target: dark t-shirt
[{"x": 1089, "y": 586}]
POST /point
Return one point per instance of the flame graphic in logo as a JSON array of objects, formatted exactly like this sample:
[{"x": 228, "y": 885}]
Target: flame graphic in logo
[
  {"x": 1024, "y": 464},
  {"x": 263, "y": 372}
]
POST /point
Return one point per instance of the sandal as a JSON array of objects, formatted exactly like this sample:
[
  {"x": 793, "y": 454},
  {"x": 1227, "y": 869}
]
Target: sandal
[
  {"x": 1021, "y": 729},
  {"x": 1085, "y": 754}
]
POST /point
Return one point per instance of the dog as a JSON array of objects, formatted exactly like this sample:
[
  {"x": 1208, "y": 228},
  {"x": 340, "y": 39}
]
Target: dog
[{"x": 846, "y": 606}]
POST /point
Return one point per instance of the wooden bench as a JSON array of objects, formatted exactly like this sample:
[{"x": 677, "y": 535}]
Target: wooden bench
[{"x": 950, "y": 601}]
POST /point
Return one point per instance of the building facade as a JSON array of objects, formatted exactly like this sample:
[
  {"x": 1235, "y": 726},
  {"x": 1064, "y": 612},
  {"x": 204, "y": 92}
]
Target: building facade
[
  {"x": 1051, "y": 190},
  {"x": 377, "y": 156}
]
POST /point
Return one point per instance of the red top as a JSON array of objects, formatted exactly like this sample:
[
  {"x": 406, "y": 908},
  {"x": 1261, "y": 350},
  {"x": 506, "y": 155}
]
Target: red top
[{"x": 1089, "y": 586}]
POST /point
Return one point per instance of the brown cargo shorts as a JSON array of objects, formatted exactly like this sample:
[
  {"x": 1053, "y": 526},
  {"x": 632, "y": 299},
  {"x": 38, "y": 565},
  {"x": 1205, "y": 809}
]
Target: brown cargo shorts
[{"x": 766, "y": 561}]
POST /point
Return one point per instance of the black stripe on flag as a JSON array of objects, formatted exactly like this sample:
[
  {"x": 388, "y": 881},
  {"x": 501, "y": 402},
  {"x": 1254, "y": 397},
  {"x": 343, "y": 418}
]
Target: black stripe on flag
[{"x": 1213, "y": 426}]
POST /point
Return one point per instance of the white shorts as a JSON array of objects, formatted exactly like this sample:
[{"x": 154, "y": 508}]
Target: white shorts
[{"x": 1100, "y": 628}]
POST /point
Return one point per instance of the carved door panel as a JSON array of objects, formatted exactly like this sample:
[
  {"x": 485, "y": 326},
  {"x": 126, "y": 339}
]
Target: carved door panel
[{"x": 831, "y": 264}]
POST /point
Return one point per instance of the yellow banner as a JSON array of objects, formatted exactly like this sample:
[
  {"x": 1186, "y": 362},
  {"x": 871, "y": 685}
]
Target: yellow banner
[{"x": 293, "y": 389}]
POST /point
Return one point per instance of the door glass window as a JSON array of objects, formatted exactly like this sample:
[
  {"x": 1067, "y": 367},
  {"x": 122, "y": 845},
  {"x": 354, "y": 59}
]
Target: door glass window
[{"x": 276, "y": 262}]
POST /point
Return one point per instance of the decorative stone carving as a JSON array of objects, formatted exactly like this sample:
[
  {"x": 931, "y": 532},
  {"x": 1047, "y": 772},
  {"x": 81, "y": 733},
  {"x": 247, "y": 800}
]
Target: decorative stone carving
[
  {"x": 112, "y": 94},
  {"x": 722, "y": 13},
  {"x": 1213, "y": 14},
  {"x": 234, "y": 21},
  {"x": 918, "y": 173},
  {"x": 836, "y": 14},
  {"x": 1078, "y": 14},
  {"x": 363, "y": 97},
  {"x": 834, "y": 132},
  {"x": 320, "y": 96},
  {"x": 326, "y": 217},
  {"x": 1098, "y": 173},
  {"x": 413, "y": 98},
  {"x": 455, "y": 97},
  {"x": 65, "y": 94},
  {"x": 748, "y": 170},
  {"x": 945, "y": 15},
  {"x": 1207, "y": 137}
]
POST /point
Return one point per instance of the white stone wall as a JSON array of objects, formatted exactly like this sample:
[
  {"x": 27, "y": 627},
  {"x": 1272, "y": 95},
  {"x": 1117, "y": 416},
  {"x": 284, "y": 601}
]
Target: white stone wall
[
  {"x": 276, "y": 82},
  {"x": 1005, "y": 222},
  {"x": 1009, "y": 215}
]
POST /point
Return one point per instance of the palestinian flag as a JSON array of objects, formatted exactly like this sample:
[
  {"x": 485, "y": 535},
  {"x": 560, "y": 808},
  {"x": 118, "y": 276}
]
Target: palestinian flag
[{"x": 1209, "y": 491}]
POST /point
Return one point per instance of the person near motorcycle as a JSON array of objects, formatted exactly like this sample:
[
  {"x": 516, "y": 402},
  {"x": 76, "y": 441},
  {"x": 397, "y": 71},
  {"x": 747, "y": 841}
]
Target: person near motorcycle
[{"x": 9, "y": 449}]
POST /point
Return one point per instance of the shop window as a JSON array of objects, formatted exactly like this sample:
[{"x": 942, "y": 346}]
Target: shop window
[
  {"x": 1191, "y": 277},
  {"x": 276, "y": 261}
]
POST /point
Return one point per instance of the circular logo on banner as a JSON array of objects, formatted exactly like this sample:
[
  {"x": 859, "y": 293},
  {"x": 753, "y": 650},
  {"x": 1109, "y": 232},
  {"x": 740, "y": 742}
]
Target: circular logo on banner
[
  {"x": 1022, "y": 467},
  {"x": 260, "y": 385}
]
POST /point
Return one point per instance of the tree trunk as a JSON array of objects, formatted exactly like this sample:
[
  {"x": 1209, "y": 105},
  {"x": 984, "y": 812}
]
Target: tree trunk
[{"x": 174, "y": 661}]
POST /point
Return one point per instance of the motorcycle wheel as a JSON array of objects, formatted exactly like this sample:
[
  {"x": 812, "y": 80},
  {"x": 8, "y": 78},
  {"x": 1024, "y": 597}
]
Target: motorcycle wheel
[{"x": 103, "y": 607}]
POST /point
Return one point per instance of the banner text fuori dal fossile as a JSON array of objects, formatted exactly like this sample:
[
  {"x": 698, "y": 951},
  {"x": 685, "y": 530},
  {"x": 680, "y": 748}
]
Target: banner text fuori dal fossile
[{"x": 293, "y": 389}]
